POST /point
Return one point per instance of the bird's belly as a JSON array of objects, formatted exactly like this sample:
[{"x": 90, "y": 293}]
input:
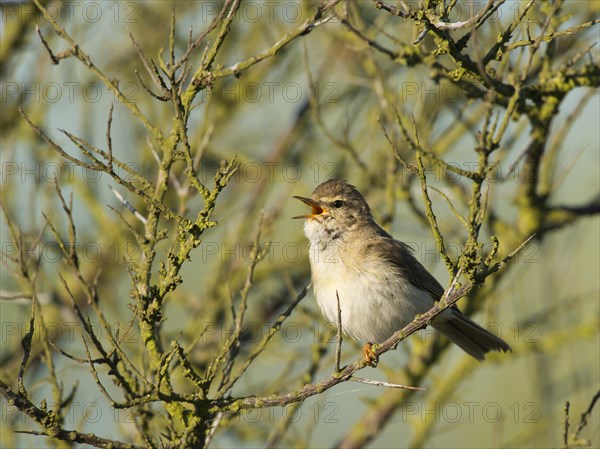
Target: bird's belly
[{"x": 374, "y": 302}]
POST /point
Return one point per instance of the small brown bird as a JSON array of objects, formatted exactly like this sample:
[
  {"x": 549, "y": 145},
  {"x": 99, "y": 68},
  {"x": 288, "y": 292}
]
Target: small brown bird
[{"x": 381, "y": 285}]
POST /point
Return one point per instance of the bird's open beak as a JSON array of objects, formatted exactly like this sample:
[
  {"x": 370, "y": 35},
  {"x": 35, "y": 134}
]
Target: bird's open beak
[{"x": 316, "y": 208}]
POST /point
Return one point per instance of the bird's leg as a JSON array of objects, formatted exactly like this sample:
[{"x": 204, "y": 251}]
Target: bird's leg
[{"x": 369, "y": 355}]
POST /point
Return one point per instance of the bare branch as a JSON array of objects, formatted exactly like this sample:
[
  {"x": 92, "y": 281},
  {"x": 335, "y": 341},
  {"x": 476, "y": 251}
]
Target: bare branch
[{"x": 53, "y": 429}]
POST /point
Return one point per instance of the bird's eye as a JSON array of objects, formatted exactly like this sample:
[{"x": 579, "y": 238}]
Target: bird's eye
[{"x": 338, "y": 203}]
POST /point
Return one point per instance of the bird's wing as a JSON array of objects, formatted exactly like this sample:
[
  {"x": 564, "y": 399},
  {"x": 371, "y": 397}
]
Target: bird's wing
[{"x": 400, "y": 254}]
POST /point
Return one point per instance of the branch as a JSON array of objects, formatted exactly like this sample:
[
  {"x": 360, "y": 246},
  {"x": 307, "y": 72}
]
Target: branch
[
  {"x": 441, "y": 25},
  {"x": 405, "y": 12},
  {"x": 111, "y": 84},
  {"x": 559, "y": 216},
  {"x": 53, "y": 430},
  {"x": 302, "y": 30},
  {"x": 583, "y": 421},
  {"x": 55, "y": 58},
  {"x": 431, "y": 216},
  {"x": 450, "y": 297}
]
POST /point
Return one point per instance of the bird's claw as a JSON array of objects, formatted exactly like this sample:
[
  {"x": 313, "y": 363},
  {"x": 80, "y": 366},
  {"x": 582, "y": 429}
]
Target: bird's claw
[{"x": 369, "y": 355}]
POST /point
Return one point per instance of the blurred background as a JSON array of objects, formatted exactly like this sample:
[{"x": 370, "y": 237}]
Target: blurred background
[{"x": 309, "y": 113}]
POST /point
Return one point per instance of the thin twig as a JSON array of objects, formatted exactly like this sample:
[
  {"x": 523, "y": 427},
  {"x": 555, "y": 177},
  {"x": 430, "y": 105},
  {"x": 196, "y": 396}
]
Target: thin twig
[
  {"x": 53, "y": 57},
  {"x": 566, "y": 425},
  {"x": 392, "y": 146},
  {"x": 109, "y": 138},
  {"x": 499, "y": 265},
  {"x": 338, "y": 347},
  {"x": 128, "y": 205},
  {"x": 152, "y": 72},
  {"x": 456, "y": 213},
  {"x": 431, "y": 216},
  {"x": 583, "y": 421},
  {"x": 15, "y": 296},
  {"x": 26, "y": 345},
  {"x": 381, "y": 383}
]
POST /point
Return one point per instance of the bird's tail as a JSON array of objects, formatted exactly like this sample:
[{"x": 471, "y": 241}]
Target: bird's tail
[{"x": 470, "y": 336}]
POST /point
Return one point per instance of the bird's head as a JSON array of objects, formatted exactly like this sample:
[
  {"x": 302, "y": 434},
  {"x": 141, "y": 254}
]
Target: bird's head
[{"x": 337, "y": 207}]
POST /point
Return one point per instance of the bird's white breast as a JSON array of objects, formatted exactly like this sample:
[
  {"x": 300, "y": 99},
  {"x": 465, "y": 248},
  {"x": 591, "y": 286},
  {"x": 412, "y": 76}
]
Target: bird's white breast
[{"x": 375, "y": 301}]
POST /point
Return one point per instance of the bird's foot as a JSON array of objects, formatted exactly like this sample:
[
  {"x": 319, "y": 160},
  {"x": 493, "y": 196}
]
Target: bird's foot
[{"x": 369, "y": 355}]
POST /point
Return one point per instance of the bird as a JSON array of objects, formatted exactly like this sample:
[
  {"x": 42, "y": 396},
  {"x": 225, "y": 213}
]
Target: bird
[{"x": 380, "y": 284}]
